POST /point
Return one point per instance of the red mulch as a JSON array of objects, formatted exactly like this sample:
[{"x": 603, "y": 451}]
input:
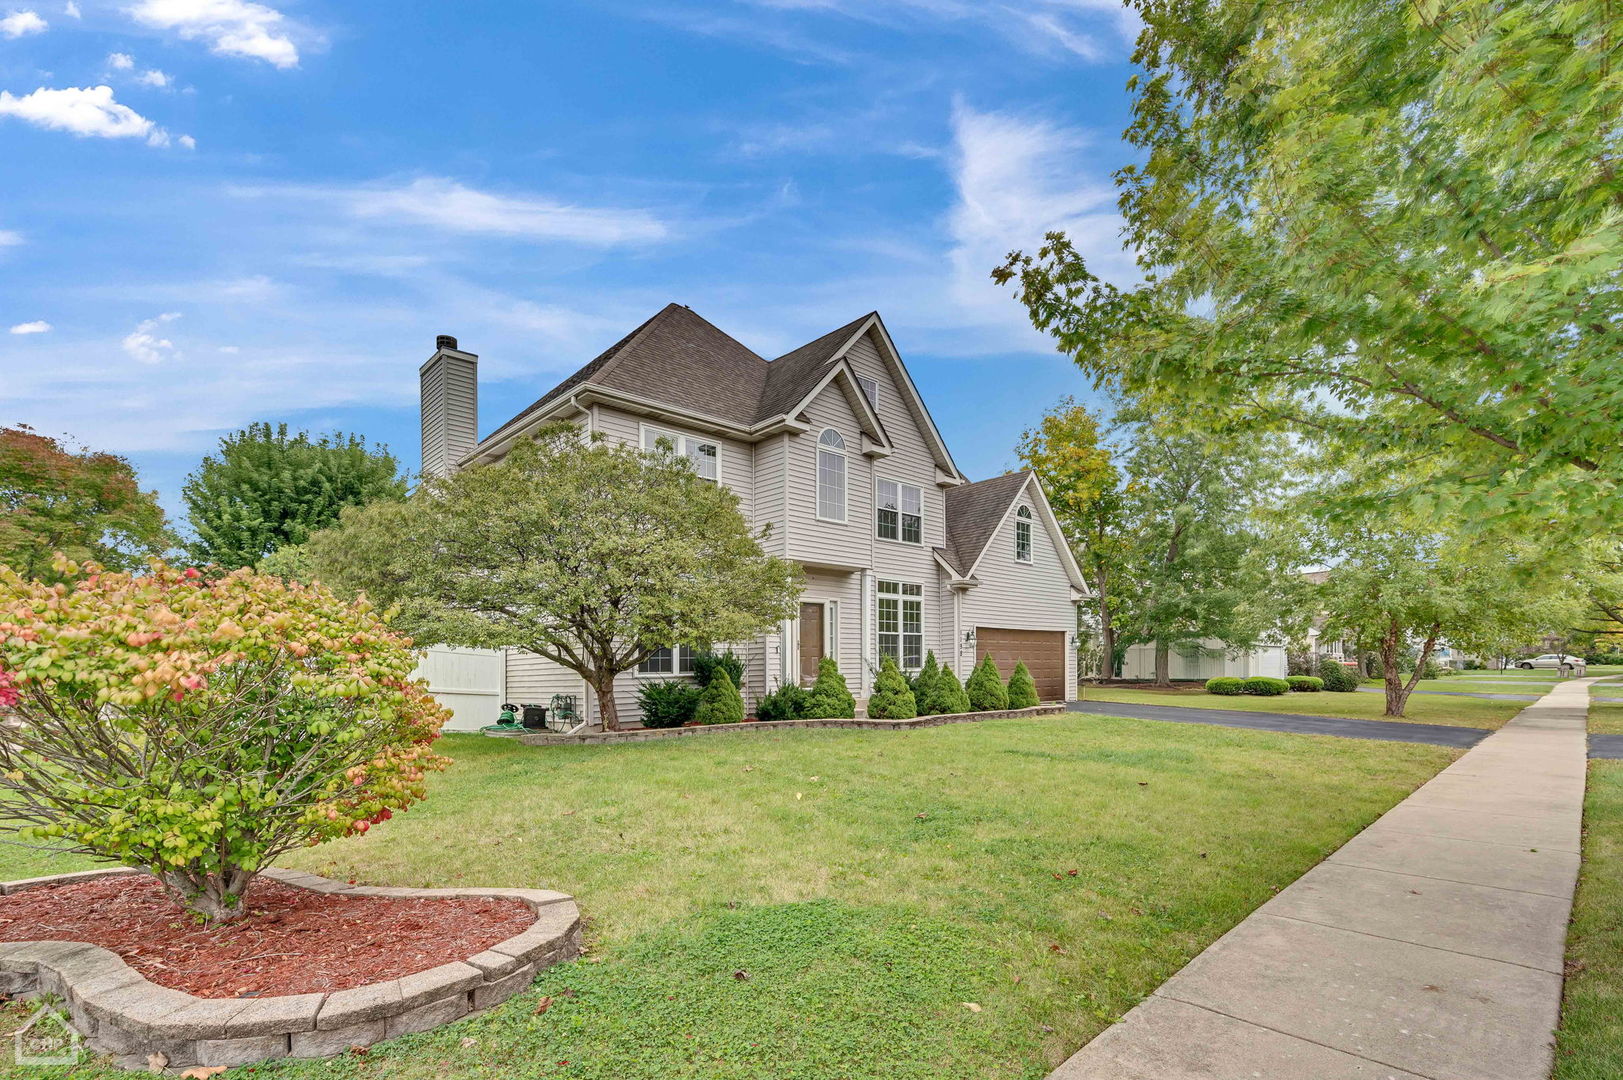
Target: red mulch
[{"x": 293, "y": 941}]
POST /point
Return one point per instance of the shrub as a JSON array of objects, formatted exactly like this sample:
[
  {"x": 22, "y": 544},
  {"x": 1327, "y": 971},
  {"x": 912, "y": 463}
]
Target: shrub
[
  {"x": 830, "y": 698},
  {"x": 787, "y": 702},
  {"x": 1262, "y": 686},
  {"x": 1338, "y": 677},
  {"x": 1300, "y": 662},
  {"x": 1226, "y": 685},
  {"x": 1431, "y": 669},
  {"x": 985, "y": 688},
  {"x": 719, "y": 703},
  {"x": 1305, "y": 684},
  {"x": 667, "y": 703},
  {"x": 198, "y": 727},
  {"x": 923, "y": 683},
  {"x": 1022, "y": 691},
  {"x": 948, "y": 696},
  {"x": 706, "y": 664},
  {"x": 891, "y": 699}
]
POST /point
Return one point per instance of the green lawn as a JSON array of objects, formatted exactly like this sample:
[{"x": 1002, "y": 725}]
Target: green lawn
[
  {"x": 869, "y": 884},
  {"x": 1456, "y": 711},
  {"x": 1589, "y": 1045},
  {"x": 1605, "y": 717}
]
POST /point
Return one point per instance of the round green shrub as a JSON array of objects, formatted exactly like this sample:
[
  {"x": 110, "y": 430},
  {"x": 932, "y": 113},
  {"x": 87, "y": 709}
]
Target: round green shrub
[
  {"x": 948, "y": 696},
  {"x": 830, "y": 698},
  {"x": 787, "y": 702},
  {"x": 667, "y": 703},
  {"x": 1263, "y": 686},
  {"x": 1022, "y": 688},
  {"x": 1305, "y": 684},
  {"x": 1225, "y": 685},
  {"x": 720, "y": 703},
  {"x": 1338, "y": 677},
  {"x": 985, "y": 688},
  {"x": 891, "y": 699},
  {"x": 707, "y": 663}
]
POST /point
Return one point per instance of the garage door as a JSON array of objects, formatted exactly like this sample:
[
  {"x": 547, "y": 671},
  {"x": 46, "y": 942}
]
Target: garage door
[{"x": 1042, "y": 650}]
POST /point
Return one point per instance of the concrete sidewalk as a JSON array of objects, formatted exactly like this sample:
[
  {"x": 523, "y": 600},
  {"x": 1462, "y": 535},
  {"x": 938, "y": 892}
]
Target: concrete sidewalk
[{"x": 1429, "y": 947}]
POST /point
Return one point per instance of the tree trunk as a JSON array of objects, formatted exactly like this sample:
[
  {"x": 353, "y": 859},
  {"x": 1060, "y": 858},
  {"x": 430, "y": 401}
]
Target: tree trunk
[
  {"x": 1396, "y": 696},
  {"x": 607, "y": 710},
  {"x": 1163, "y": 664},
  {"x": 216, "y": 896},
  {"x": 1107, "y": 631}
]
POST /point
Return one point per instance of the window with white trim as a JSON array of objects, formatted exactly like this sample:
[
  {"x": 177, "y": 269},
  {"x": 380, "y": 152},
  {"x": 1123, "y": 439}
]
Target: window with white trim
[
  {"x": 673, "y": 661},
  {"x": 705, "y": 454},
  {"x": 1022, "y": 534},
  {"x": 870, "y": 390},
  {"x": 901, "y": 512},
  {"x": 830, "y": 476},
  {"x": 901, "y": 623}
]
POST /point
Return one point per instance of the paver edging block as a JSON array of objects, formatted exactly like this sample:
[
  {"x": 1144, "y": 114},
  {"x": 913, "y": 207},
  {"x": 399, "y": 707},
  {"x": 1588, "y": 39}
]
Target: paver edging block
[{"x": 121, "y": 1013}]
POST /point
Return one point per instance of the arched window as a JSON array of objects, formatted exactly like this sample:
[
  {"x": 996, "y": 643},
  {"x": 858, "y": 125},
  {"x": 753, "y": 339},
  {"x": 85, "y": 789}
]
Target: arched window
[
  {"x": 830, "y": 476},
  {"x": 1022, "y": 534}
]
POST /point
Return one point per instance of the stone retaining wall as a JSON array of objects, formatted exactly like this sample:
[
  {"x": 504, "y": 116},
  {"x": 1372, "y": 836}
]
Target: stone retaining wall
[
  {"x": 641, "y": 734},
  {"x": 120, "y": 1013}
]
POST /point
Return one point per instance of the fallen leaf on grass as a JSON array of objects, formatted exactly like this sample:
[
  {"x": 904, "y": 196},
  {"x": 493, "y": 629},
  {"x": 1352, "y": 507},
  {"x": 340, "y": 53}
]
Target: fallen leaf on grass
[
  {"x": 469, "y": 1040},
  {"x": 202, "y": 1072},
  {"x": 542, "y": 1006},
  {"x": 923, "y": 816},
  {"x": 799, "y": 796},
  {"x": 741, "y": 975},
  {"x": 1071, "y": 873},
  {"x": 157, "y": 1062},
  {"x": 970, "y": 1005}
]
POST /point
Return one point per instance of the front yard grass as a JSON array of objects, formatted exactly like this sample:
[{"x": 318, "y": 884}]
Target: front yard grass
[
  {"x": 1452, "y": 710},
  {"x": 1589, "y": 1045},
  {"x": 829, "y": 904},
  {"x": 1605, "y": 717}
]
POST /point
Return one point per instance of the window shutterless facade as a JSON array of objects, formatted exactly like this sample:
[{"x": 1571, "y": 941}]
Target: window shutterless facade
[
  {"x": 830, "y": 476},
  {"x": 901, "y": 623},
  {"x": 705, "y": 454},
  {"x": 674, "y": 661},
  {"x": 1022, "y": 534},
  {"x": 900, "y": 512}
]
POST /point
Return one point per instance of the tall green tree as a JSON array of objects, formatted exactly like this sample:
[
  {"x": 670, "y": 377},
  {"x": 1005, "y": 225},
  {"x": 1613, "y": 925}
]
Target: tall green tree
[
  {"x": 268, "y": 489},
  {"x": 87, "y": 504},
  {"x": 1394, "y": 227},
  {"x": 587, "y": 553}
]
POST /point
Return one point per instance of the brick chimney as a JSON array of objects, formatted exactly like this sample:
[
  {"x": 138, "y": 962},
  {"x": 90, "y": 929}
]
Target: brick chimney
[{"x": 450, "y": 406}]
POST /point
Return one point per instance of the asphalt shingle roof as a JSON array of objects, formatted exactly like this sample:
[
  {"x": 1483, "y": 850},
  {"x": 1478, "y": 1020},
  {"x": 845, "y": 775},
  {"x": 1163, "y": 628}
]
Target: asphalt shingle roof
[{"x": 973, "y": 513}]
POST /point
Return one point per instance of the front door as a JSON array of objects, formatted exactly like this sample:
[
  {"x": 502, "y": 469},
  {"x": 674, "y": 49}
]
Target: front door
[{"x": 811, "y": 641}]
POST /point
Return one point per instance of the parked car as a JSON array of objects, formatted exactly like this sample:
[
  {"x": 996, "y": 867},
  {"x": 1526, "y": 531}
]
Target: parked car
[{"x": 1551, "y": 660}]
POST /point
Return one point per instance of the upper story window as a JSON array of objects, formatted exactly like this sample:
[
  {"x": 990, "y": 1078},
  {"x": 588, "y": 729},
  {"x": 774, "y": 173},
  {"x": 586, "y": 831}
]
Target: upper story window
[
  {"x": 830, "y": 476},
  {"x": 1022, "y": 534},
  {"x": 673, "y": 661},
  {"x": 901, "y": 512},
  {"x": 901, "y": 623},
  {"x": 870, "y": 390},
  {"x": 705, "y": 454}
]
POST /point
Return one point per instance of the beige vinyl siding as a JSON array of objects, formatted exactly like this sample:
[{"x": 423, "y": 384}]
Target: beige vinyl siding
[
  {"x": 1022, "y": 596},
  {"x": 450, "y": 412},
  {"x": 532, "y": 680},
  {"x": 811, "y": 539},
  {"x": 770, "y": 460}
]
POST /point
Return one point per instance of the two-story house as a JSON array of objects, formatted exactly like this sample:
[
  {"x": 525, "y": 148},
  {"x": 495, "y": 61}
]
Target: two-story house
[{"x": 832, "y": 446}]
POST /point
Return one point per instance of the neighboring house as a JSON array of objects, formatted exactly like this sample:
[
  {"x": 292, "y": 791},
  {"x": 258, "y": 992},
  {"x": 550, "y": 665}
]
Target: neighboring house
[
  {"x": 832, "y": 446},
  {"x": 1339, "y": 650},
  {"x": 1207, "y": 660}
]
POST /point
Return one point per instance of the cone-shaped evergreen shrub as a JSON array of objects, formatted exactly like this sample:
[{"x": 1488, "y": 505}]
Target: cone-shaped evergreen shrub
[
  {"x": 720, "y": 703},
  {"x": 924, "y": 682},
  {"x": 946, "y": 697},
  {"x": 830, "y": 698},
  {"x": 891, "y": 699},
  {"x": 985, "y": 688},
  {"x": 1022, "y": 688}
]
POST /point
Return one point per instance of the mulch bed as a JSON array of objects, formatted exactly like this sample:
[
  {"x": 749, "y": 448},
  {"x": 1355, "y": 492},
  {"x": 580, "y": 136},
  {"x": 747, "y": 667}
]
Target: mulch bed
[{"x": 293, "y": 941}]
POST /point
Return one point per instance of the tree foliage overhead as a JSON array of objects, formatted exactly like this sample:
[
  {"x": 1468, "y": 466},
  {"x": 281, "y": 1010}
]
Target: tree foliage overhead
[
  {"x": 1394, "y": 226},
  {"x": 268, "y": 489},
  {"x": 86, "y": 504},
  {"x": 588, "y": 553}
]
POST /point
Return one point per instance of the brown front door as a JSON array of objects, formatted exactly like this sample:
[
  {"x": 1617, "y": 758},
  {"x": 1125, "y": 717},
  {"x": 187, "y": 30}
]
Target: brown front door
[
  {"x": 811, "y": 641},
  {"x": 1042, "y": 650}
]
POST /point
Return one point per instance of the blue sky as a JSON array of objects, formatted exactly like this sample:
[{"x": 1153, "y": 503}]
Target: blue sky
[{"x": 217, "y": 211}]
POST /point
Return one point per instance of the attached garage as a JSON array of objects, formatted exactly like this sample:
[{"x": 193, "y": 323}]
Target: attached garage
[{"x": 1042, "y": 650}]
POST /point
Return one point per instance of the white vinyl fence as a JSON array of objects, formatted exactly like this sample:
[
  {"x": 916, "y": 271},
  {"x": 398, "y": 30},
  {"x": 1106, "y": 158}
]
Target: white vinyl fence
[{"x": 469, "y": 682}]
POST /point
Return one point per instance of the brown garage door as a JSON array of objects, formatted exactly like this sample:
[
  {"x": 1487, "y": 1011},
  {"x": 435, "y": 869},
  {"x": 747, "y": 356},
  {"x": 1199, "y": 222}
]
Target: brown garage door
[{"x": 1042, "y": 650}]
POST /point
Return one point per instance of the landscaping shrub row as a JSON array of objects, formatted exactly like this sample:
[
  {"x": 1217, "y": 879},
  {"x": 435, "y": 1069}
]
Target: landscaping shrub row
[{"x": 1260, "y": 685}]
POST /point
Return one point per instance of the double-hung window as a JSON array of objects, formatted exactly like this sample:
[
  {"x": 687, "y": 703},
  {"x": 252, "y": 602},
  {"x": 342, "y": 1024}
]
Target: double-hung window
[
  {"x": 870, "y": 390},
  {"x": 901, "y": 512},
  {"x": 901, "y": 623},
  {"x": 673, "y": 661},
  {"x": 705, "y": 454},
  {"x": 830, "y": 476},
  {"x": 1022, "y": 534}
]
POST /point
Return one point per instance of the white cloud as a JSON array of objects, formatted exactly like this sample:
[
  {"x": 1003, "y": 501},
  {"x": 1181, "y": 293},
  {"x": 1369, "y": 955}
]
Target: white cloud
[
  {"x": 120, "y": 61},
  {"x": 39, "y": 326},
  {"x": 188, "y": 142},
  {"x": 71, "y": 10},
  {"x": 143, "y": 343},
  {"x": 19, "y": 23},
  {"x": 10, "y": 238},
  {"x": 154, "y": 78},
  {"x": 442, "y": 203},
  {"x": 231, "y": 27},
  {"x": 83, "y": 111}
]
